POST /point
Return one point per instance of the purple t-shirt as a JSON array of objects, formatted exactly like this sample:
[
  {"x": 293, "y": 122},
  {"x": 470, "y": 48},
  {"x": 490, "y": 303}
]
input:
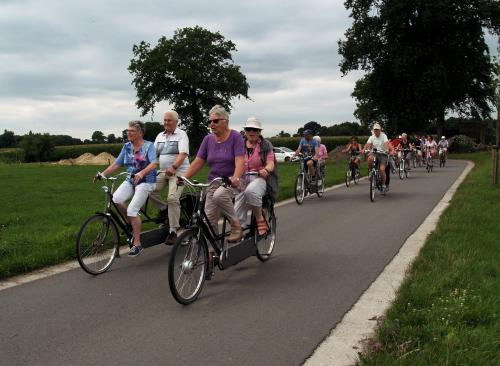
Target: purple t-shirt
[{"x": 220, "y": 156}]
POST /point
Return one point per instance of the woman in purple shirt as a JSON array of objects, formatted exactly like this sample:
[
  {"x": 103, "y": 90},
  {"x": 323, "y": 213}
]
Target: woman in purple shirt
[{"x": 224, "y": 152}]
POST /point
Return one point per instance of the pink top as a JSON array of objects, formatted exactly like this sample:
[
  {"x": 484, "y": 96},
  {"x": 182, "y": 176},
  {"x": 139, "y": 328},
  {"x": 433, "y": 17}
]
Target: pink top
[
  {"x": 253, "y": 162},
  {"x": 322, "y": 152}
]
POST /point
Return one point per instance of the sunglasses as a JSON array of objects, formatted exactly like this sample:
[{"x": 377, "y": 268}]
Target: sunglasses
[
  {"x": 251, "y": 129},
  {"x": 217, "y": 120}
]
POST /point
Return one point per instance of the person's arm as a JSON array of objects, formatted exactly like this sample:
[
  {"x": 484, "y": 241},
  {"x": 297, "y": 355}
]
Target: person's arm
[
  {"x": 195, "y": 167},
  {"x": 171, "y": 170},
  {"x": 316, "y": 152},
  {"x": 138, "y": 176},
  {"x": 109, "y": 170},
  {"x": 269, "y": 167},
  {"x": 239, "y": 167}
]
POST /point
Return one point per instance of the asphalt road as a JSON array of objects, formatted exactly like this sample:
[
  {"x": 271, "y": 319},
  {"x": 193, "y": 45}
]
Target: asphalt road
[{"x": 328, "y": 252}]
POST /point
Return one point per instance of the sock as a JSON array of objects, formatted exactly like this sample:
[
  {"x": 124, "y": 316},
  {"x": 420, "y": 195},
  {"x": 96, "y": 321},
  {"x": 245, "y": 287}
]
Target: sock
[{"x": 173, "y": 230}]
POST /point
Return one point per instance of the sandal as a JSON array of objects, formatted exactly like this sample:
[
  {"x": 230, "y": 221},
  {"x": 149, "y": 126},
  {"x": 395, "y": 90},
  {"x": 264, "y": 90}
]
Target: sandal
[{"x": 262, "y": 227}]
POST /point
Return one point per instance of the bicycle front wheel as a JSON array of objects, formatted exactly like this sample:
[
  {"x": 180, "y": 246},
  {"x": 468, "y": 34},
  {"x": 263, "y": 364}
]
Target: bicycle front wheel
[
  {"x": 187, "y": 268},
  {"x": 348, "y": 177},
  {"x": 97, "y": 244},
  {"x": 266, "y": 243},
  {"x": 356, "y": 176},
  {"x": 320, "y": 185},
  {"x": 401, "y": 170},
  {"x": 299, "y": 189}
]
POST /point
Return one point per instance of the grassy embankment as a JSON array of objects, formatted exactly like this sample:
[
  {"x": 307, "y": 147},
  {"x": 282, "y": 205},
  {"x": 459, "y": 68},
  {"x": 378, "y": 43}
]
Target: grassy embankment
[
  {"x": 447, "y": 311},
  {"x": 44, "y": 206}
]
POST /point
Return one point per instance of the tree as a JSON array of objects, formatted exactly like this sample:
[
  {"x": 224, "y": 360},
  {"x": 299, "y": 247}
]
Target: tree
[
  {"x": 37, "y": 147},
  {"x": 7, "y": 139},
  {"x": 193, "y": 71},
  {"x": 111, "y": 139},
  {"x": 152, "y": 130},
  {"x": 98, "y": 137},
  {"x": 422, "y": 59},
  {"x": 283, "y": 134},
  {"x": 313, "y": 126}
]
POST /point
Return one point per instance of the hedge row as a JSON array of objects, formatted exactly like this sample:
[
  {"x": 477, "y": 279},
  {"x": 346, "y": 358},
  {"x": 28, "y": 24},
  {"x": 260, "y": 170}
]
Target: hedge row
[{"x": 74, "y": 151}]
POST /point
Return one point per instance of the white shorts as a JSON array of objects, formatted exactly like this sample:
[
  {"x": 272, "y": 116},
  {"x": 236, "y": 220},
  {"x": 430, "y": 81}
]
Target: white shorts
[{"x": 138, "y": 193}]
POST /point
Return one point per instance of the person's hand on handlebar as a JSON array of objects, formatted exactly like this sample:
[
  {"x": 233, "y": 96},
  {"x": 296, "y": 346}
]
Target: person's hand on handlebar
[
  {"x": 137, "y": 177},
  {"x": 235, "y": 182},
  {"x": 170, "y": 171},
  {"x": 98, "y": 176}
]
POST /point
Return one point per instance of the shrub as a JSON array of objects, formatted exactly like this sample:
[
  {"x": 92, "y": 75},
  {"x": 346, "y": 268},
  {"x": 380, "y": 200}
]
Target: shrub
[{"x": 461, "y": 144}]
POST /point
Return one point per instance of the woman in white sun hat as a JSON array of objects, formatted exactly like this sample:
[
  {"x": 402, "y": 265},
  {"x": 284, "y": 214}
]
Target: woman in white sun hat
[{"x": 259, "y": 158}]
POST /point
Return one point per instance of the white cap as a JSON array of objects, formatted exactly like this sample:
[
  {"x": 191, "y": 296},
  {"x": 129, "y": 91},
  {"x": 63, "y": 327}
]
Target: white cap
[
  {"x": 253, "y": 122},
  {"x": 442, "y": 137},
  {"x": 376, "y": 126}
]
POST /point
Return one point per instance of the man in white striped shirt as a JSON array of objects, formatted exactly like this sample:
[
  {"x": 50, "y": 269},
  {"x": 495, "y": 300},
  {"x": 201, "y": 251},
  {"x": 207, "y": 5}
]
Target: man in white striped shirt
[{"x": 172, "y": 147}]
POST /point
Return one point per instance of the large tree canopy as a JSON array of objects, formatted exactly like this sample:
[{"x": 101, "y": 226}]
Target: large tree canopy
[
  {"x": 193, "y": 71},
  {"x": 422, "y": 58}
]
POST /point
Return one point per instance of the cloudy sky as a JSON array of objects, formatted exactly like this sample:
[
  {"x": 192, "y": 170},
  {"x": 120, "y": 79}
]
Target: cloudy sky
[{"x": 64, "y": 63}]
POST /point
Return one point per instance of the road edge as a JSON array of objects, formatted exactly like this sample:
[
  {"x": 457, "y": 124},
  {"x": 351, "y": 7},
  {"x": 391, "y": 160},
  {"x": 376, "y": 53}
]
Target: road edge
[{"x": 345, "y": 341}]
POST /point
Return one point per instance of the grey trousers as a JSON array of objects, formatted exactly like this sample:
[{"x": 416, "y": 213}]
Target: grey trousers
[
  {"x": 219, "y": 200},
  {"x": 174, "y": 194},
  {"x": 250, "y": 198}
]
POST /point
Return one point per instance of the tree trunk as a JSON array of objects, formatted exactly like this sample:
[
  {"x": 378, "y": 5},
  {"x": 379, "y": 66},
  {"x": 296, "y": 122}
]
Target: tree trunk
[{"x": 440, "y": 124}]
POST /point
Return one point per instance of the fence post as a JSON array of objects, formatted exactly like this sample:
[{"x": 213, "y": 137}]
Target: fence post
[{"x": 494, "y": 155}]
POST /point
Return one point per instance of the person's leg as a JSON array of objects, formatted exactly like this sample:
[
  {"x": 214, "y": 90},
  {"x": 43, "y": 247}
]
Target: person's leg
[
  {"x": 121, "y": 195},
  {"x": 212, "y": 210},
  {"x": 311, "y": 168},
  {"x": 223, "y": 198},
  {"x": 253, "y": 196},
  {"x": 241, "y": 208},
  {"x": 382, "y": 173},
  {"x": 141, "y": 194},
  {"x": 173, "y": 201},
  {"x": 161, "y": 182},
  {"x": 370, "y": 162}
]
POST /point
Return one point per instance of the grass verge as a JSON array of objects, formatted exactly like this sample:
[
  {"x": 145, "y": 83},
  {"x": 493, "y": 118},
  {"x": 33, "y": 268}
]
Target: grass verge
[
  {"x": 447, "y": 310},
  {"x": 45, "y": 204}
]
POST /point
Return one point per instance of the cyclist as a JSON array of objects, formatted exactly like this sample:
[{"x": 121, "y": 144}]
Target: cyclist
[
  {"x": 139, "y": 156},
  {"x": 309, "y": 147},
  {"x": 405, "y": 146},
  {"x": 259, "y": 158},
  {"x": 380, "y": 142},
  {"x": 354, "y": 148},
  {"x": 322, "y": 153},
  {"x": 443, "y": 146},
  {"x": 224, "y": 151},
  {"x": 172, "y": 146},
  {"x": 430, "y": 146}
]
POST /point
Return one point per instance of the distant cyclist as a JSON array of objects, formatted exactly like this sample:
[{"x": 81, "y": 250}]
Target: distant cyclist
[
  {"x": 309, "y": 147},
  {"x": 354, "y": 149},
  {"x": 404, "y": 148},
  {"x": 430, "y": 146},
  {"x": 443, "y": 146}
]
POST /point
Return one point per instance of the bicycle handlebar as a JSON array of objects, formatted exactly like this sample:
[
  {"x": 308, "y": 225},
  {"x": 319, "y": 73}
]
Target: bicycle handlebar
[{"x": 224, "y": 180}]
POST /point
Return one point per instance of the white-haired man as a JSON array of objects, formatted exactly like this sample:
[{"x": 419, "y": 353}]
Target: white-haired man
[
  {"x": 172, "y": 146},
  {"x": 380, "y": 142}
]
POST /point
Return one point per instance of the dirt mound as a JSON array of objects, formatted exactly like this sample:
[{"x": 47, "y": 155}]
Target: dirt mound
[
  {"x": 103, "y": 158},
  {"x": 86, "y": 158}
]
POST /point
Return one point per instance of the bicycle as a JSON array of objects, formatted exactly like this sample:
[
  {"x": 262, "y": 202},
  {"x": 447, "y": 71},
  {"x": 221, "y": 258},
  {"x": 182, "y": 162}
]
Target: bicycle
[
  {"x": 352, "y": 172},
  {"x": 442, "y": 157},
  {"x": 190, "y": 264},
  {"x": 417, "y": 157},
  {"x": 98, "y": 240},
  {"x": 403, "y": 171},
  {"x": 429, "y": 161},
  {"x": 305, "y": 184},
  {"x": 375, "y": 176}
]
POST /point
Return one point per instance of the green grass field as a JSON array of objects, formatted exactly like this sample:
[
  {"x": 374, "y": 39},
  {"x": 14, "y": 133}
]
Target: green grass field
[
  {"x": 448, "y": 310},
  {"x": 45, "y": 204}
]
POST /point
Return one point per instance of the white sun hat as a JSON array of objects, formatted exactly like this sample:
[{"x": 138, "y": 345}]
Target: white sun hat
[{"x": 253, "y": 122}]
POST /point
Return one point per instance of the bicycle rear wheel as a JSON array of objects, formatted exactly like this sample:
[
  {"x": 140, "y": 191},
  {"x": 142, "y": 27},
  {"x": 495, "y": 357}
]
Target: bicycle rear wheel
[
  {"x": 320, "y": 185},
  {"x": 187, "y": 267},
  {"x": 265, "y": 244},
  {"x": 356, "y": 176},
  {"x": 372, "y": 187},
  {"x": 300, "y": 189},
  {"x": 401, "y": 170},
  {"x": 97, "y": 244}
]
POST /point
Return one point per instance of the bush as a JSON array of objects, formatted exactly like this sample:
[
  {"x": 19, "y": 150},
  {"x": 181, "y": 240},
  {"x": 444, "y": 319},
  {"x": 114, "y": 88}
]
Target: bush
[
  {"x": 461, "y": 144},
  {"x": 36, "y": 147}
]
